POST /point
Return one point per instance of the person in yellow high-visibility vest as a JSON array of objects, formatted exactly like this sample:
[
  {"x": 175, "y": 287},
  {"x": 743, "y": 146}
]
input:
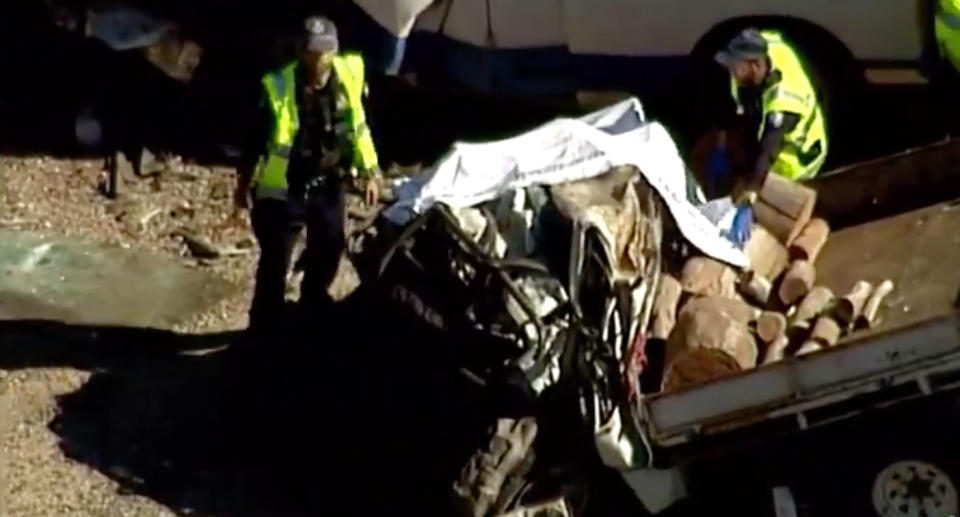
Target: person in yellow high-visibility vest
[
  {"x": 774, "y": 94},
  {"x": 313, "y": 137},
  {"x": 946, "y": 73},
  {"x": 946, "y": 28}
]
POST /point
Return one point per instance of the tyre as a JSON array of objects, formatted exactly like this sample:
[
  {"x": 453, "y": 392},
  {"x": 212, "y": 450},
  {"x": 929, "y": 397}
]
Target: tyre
[
  {"x": 917, "y": 473},
  {"x": 496, "y": 472},
  {"x": 909, "y": 469},
  {"x": 914, "y": 488}
]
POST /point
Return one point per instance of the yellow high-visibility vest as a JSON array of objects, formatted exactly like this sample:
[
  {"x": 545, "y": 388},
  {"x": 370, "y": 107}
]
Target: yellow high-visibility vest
[
  {"x": 946, "y": 29},
  {"x": 805, "y": 148},
  {"x": 270, "y": 175},
  {"x": 350, "y": 70}
]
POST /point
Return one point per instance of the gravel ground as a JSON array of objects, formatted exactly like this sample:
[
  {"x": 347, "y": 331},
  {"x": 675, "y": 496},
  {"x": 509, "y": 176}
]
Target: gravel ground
[{"x": 64, "y": 196}]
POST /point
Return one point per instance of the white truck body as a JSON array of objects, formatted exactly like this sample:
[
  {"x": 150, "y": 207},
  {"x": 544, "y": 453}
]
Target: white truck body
[{"x": 667, "y": 28}]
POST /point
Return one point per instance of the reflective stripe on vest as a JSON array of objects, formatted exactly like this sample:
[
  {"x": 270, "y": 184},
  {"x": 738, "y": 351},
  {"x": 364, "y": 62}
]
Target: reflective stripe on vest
[
  {"x": 805, "y": 146},
  {"x": 271, "y": 172},
  {"x": 949, "y": 7},
  {"x": 350, "y": 71},
  {"x": 946, "y": 28}
]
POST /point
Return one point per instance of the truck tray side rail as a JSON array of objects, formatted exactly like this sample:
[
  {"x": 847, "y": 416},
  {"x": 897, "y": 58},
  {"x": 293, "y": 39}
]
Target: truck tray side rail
[{"x": 926, "y": 354}]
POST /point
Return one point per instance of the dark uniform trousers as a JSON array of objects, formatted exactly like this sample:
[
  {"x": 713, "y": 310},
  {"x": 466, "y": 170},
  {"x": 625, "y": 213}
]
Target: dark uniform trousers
[{"x": 276, "y": 224}]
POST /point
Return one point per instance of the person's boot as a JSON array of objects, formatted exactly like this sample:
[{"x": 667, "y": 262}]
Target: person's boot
[{"x": 249, "y": 346}]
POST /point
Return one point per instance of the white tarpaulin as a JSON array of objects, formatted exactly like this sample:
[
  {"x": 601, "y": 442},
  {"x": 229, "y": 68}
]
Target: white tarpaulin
[
  {"x": 566, "y": 150},
  {"x": 397, "y": 16},
  {"x": 496, "y": 23}
]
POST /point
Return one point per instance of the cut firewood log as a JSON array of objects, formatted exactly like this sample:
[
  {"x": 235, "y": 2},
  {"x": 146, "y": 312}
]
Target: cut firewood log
[
  {"x": 770, "y": 326},
  {"x": 695, "y": 367},
  {"x": 849, "y": 307},
  {"x": 797, "y": 282},
  {"x": 704, "y": 276},
  {"x": 767, "y": 255},
  {"x": 755, "y": 287},
  {"x": 779, "y": 225},
  {"x": 736, "y": 309},
  {"x": 665, "y": 307},
  {"x": 826, "y": 332},
  {"x": 789, "y": 197},
  {"x": 777, "y": 350},
  {"x": 868, "y": 317},
  {"x": 816, "y": 302},
  {"x": 808, "y": 244},
  {"x": 707, "y": 344},
  {"x": 808, "y": 348},
  {"x": 784, "y": 207}
]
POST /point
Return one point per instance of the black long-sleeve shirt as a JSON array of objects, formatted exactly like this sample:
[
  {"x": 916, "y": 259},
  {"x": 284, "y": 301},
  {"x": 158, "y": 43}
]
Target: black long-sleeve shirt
[{"x": 777, "y": 125}]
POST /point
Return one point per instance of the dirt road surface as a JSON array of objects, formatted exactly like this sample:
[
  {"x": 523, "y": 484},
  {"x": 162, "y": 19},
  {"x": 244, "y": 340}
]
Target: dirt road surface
[{"x": 61, "y": 197}]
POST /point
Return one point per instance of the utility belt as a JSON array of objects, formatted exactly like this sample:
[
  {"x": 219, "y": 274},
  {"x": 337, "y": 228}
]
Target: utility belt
[
  {"x": 327, "y": 181},
  {"x": 307, "y": 172},
  {"x": 316, "y": 171}
]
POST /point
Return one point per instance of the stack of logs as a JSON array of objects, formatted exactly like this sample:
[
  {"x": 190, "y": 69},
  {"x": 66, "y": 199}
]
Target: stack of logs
[{"x": 716, "y": 322}]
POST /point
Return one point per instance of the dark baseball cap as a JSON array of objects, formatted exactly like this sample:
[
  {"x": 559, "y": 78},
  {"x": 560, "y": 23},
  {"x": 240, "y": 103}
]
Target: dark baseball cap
[
  {"x": 748, "y": 44},
  {"x": 321, "y": 34}
]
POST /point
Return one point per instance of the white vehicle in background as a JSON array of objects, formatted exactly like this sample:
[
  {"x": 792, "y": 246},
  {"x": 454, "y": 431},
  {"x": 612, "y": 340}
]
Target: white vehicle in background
[
  {"x": 860, "y": 54},
  {"x": 880, "y": 40}
]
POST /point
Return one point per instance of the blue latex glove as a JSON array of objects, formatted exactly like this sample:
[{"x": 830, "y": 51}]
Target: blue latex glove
[
  {"x": 742, "y": 223},
  {"x": 718, "y": 167}
]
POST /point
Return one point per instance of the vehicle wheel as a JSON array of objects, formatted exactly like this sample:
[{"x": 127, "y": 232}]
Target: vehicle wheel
[
  {"x": 912, "y": 488},
  {"x": 496, "y": 472}
]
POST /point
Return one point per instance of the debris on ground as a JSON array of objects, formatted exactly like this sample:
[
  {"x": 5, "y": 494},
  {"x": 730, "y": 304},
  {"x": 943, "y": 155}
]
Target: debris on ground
[
  {"x": 171, "y": 207},
  {"x": 63, "y": 197},
  {"x": 198, "y": 246}
]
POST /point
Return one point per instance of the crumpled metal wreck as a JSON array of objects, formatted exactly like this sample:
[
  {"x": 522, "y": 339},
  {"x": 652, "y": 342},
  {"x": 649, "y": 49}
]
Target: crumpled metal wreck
[{"x": 543, "y": 252}]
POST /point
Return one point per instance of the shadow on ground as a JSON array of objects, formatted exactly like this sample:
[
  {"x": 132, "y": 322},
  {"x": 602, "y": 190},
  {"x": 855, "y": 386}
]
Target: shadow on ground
[{"x": 351, "y": 419}]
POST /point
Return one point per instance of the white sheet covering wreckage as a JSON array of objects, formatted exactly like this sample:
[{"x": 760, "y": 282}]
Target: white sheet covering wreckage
[{"x": 565, "y": 150}]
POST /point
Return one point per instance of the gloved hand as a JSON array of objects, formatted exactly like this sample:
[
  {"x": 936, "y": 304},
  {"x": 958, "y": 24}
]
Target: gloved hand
[
  {"x": 742, "y": 223},
  {"x": 718, "y": 168}
]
